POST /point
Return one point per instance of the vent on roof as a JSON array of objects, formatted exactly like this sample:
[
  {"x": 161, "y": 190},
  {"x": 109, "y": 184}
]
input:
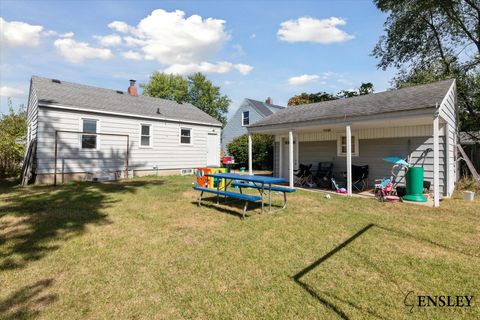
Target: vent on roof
[
  {"x": 158, "y": 111},
  {"x": 118, "y": 91},
  {"x": 56, "y": 81}
]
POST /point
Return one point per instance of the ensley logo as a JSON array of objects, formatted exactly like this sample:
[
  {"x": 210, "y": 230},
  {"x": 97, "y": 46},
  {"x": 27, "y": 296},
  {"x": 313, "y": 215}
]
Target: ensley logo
[{"x": 443, "y": 301}]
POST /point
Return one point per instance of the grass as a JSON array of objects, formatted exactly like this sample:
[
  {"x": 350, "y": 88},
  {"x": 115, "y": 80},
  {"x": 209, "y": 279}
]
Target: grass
[{"x": 142, "y": 249}]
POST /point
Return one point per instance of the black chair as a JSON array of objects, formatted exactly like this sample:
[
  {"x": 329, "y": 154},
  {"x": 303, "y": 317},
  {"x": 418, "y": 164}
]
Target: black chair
[
  {"x": 359, "y": 177},
  {"x": 324, "y": 174}
]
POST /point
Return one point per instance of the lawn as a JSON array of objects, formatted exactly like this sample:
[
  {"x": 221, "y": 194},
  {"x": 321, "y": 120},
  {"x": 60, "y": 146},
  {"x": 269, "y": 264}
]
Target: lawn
[{"x": 142, "y": 249}]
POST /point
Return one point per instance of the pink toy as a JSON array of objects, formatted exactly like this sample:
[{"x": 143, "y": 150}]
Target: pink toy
[{"x": 337, "y": 187}]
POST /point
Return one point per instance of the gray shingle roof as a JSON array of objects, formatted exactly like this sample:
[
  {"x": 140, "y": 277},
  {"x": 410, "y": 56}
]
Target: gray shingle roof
[
  {"x": 106, "y": 100},
  {"x": 411, "y": 98},
  {"x": 264, "y": 108}
]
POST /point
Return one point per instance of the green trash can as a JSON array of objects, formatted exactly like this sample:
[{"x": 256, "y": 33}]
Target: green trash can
[{"x": 414, "y": 181}]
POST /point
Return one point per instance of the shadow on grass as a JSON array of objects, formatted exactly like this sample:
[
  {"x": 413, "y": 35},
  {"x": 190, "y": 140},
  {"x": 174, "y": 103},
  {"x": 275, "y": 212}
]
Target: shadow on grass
[
  {"x": 423, "y": 239},
  {"x": 297, "y": 277},
  {"x": 235, "y": 204},
  {"x": 27, "y": 302},
  {"x": 36, "y": 220}
]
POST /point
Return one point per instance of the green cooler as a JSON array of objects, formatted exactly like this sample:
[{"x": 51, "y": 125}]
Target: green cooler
[{"x": 414, "y": 181}]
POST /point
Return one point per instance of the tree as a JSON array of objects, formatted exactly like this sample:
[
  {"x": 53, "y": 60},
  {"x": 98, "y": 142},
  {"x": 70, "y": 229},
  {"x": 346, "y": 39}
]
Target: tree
[
  {"x": 365, "y": 88},
  {"x": 262, "y": 149},
  {"x": 13, "y": 129},
  {"x": 166, "y": 86},
  {"x": 432, "y": 40},
  {"x": 195, "y": 89},
  {"x": 305, "y": 98},
  {"x": 207, "y": 97}
]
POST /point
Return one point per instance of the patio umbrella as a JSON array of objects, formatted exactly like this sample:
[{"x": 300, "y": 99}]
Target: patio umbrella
[{"x": 397, "y": 160}]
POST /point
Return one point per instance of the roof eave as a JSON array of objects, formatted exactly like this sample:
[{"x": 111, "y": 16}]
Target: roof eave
[
  {"x": 121, "y": 114},
  {"x": 341, "y": 119}
]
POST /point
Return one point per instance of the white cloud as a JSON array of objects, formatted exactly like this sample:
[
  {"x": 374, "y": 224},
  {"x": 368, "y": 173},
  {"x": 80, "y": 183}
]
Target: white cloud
[
  {"x": 306, "y": 29},
  {"x": 244, "y": 69},
  {"x": 120, "y": 26},
  {"x": 18, "y": 34},
  {"x": 303, "y": 79},
  {"x": 171, "y": 38},
  {"x": 10, "y": 92},
  {"x": 132, "y": 55},
  {"x": 67, "y": 35},
  {"x": 50, "y": 33},
  {"x": 253, "y": 36},
  {"x": 77, "y": 52},
  {"x": 110, "y": 40},
  {"x": 207, "y": 67}
]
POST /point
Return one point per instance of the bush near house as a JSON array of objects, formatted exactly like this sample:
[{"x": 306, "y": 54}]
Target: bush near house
[
  {"x": 13, "y": 128},
  {"x": 262, "y": 151}
]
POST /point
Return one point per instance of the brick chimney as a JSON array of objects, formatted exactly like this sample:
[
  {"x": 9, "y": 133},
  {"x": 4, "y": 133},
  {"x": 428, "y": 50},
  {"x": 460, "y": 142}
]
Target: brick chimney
[
  {"x": 269, "y": 101},
  {"x": 132, "y": 90}
]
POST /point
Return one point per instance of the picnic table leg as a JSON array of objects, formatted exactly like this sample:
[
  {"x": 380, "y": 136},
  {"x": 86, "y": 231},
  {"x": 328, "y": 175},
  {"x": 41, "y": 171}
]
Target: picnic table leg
[
  {"x": 284, "y": 200},
  {"x": 245, "y": 209},
  {"x": 200, "y": 199},
  {"x": 225, "y": 189},
  {"x": 263, "y": 191},
  {"x": 270, "y": 197}
]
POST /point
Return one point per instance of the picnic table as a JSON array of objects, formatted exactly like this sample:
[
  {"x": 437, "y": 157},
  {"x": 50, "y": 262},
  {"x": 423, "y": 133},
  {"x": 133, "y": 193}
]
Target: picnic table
[{"x": 261, "y": 183}]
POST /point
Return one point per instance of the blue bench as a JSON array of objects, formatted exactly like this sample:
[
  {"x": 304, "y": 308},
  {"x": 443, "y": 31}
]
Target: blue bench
[
  {"x": 236, "y": 195},
  {"x": 263, "y": 188}
]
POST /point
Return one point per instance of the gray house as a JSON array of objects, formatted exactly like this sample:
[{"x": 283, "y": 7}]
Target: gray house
[
  {"x": 249, "y": 112},
  {"x": 417, "y": 123},
  {"x": 75, "y": 130}
]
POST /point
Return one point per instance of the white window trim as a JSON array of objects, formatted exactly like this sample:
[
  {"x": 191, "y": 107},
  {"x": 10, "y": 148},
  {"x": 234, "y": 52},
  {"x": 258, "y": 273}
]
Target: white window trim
[
  {"x": 180, "y": 136},
  {"x": 339, "y": 146},
  {"x": 81, "y": 130},
  {"x": 243, "y": 118},
  {"x": 140, "y": 136}
]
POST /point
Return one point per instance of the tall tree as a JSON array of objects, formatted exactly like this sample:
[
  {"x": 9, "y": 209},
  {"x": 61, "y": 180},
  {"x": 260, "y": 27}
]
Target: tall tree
[
  {"x": 305, "y": 98},
  {"x": 431, "y": 40},
  {"x": 166, "y": 86},
  {"x": 195, "y": 89},
  {"x": 13, "y": 128},
  {"x": 207, "y": 97}
]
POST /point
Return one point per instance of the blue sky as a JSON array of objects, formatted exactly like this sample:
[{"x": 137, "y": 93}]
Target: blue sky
[{"x": 250, "y": 49}]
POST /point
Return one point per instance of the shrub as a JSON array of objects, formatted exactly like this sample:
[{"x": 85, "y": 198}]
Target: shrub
[{"x": 262, "y": 148}]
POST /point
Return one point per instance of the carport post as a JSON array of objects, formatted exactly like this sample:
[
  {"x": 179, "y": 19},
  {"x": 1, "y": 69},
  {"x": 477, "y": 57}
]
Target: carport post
[
  {"x": 349, "y": 161},
  {"x": 290, "y": 158},
  {"x": 250, "y": 165},
  {"x": 436, "y": 163}
]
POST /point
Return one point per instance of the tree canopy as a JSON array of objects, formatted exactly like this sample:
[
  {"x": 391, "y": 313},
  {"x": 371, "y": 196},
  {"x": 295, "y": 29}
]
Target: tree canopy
[
  {"x": 13, "y": 127},
  {"x": 305, "y": 98},
  {"x": 431, "y": 40},
  {"x": 195, "y": 89}
]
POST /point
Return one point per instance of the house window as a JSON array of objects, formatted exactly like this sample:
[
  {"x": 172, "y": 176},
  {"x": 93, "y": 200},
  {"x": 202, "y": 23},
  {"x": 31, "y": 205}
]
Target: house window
[
  {"x": 342, "y": 146},
  {"x": 89, "y": 141},
  {"x": 245, "y": 118},
  {"x": 185, "y": 136},
  {"x": 145, "y": 135}
]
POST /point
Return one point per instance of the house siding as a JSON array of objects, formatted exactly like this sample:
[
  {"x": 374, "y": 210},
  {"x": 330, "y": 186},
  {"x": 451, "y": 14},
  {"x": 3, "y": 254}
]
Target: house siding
[
  {"x": 166, "y": 152},
  {"x": 234, "y": 127},
  {"x": 449, "y": 115},
  {"x": 32, "y": 114}
]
